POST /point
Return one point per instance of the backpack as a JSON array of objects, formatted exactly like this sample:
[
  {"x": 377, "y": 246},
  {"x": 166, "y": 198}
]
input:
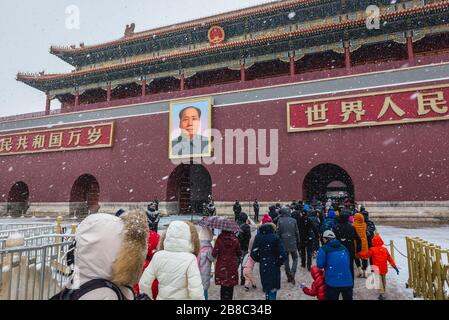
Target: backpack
[{"x": 76, "y": 294}]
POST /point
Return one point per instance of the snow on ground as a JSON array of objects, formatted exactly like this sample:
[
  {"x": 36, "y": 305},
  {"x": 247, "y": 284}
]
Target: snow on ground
[
  {"x": 437, "y": 235},
  {"x": 396, "y": 285},
  {"x": 396, "y": 289}
]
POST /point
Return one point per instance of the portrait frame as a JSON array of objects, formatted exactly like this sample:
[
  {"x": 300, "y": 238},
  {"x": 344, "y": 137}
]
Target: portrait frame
[{"x": 205, "y": 105}]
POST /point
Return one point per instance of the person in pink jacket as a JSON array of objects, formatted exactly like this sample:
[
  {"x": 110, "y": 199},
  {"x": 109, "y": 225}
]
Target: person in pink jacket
[{"x": 248, "y": 267}]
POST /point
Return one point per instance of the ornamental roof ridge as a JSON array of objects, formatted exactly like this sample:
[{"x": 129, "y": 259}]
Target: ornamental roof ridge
[
  {"x": 222, "y": 17},
  {"x": 310, "y": 30}
]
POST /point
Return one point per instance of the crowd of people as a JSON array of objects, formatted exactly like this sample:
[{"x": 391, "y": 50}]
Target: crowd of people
[{"x": 327, "y": 238}]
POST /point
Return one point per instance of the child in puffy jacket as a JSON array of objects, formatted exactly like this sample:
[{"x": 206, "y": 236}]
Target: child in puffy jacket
[
  {"x": 379, "y": 257},
  {"x": 318, "y": 288},
  {"x": 248, "y": 269}
]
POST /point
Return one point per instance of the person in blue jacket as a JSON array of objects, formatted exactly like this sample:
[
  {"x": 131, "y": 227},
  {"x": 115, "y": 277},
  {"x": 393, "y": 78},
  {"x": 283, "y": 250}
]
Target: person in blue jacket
[{"x": 334, "y": 258}]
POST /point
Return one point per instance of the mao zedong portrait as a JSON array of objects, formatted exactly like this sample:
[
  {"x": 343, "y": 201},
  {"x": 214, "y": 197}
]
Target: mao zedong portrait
[{"x": 190, "y": 142}]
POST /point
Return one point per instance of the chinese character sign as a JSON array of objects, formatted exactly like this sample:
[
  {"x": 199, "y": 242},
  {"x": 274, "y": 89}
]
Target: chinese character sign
[
  {"x": 61, "y": 139},
  {"x": 370, "y": 109}
]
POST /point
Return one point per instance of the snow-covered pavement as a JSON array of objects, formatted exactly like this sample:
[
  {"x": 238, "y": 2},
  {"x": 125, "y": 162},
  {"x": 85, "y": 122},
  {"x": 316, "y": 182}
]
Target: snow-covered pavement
[{"x": 396, "y": 285}]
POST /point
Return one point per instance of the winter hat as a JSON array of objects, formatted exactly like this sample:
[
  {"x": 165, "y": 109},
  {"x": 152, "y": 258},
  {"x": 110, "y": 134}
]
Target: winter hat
[
  {"x": 351, "y": 219},
  {"x": 266, "y": 219},
  {"x": 119, "y": 213},
  {"x": 329, "y": 235}
]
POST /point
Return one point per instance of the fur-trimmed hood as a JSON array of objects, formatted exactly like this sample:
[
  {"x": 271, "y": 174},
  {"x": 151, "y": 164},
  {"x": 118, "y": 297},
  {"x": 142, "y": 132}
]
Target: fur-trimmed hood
[{"x": 111, "y": 248}]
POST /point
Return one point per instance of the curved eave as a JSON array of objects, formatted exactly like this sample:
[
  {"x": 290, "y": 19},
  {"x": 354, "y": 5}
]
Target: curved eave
[
  {"x": 203, "y": 22},
  {"x": 37, "y": 81}
]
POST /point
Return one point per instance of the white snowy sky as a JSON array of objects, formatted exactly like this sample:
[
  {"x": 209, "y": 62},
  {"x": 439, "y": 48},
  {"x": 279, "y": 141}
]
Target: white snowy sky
[{"x": 28, "y": 28}]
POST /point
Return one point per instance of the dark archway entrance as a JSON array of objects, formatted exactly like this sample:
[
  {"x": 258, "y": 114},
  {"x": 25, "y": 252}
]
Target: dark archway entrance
[
  {"x": 18, "y": 199},
  {"x": 327, "y": 180},
  {"x": 190, "y": 186},
  {"x": 85, "y": 195}
]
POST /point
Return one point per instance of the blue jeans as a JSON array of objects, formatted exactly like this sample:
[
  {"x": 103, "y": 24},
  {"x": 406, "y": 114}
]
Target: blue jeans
[
  {"x": 206, "y": 295},
  {"x": 333, "y": 293},
  {"x": 270, "y": 295}
]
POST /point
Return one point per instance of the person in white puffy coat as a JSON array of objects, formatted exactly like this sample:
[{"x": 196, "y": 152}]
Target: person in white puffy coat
[{"x": 175, "y": 265}]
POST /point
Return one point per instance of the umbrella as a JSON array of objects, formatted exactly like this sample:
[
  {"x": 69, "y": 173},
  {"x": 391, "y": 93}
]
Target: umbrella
[{"x": 220, "y": 223}]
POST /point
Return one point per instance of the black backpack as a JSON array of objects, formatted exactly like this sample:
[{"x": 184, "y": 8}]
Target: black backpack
[{"x": 76, "y": 294}]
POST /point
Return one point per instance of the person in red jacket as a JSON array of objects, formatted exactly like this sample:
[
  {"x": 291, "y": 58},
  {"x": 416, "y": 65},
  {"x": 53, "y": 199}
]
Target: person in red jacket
[
  {"x": 318, "y": 286},
  {"x": 153, "y": 241},
  {"x": 380, "y": 256}
]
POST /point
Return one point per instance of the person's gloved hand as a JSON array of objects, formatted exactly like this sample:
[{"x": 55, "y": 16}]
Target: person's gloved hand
[
  {"x": 397, "y": 270},
  {"x": 302, "y": 285}
]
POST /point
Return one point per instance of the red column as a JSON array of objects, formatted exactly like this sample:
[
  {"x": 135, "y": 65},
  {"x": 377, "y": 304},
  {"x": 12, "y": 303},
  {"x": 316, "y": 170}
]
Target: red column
[
  {"x": 347, "y": 57},
  {"x": 292, "y": 65},
  {"x": 47, "y": 105},
  {"x": 410, "y": 53},
  {"x": 77, "y": 98},
  {"x": 182, "y": 83},
  {"x": 108, "y": 93},
  {"x": 242, "y": 72},
  {"x": 144, "y": 88}
]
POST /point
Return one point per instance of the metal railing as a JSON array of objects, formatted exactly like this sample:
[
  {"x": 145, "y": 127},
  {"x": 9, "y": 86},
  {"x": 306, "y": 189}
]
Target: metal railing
[
  {"x": 33, "y": 273},
  {"x": 428, "y": 267},
  {"x": 41, "y": 240},
  {"x": 37, "y": 269},
  {"x": 29, "y": 231},
  {"x": 13, "y": 226}
]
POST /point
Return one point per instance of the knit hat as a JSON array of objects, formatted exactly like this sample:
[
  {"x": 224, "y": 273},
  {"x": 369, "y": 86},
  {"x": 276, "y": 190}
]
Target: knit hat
[
  {"x": 329, "y": 235},
  {"x": 266, "y": 219}
]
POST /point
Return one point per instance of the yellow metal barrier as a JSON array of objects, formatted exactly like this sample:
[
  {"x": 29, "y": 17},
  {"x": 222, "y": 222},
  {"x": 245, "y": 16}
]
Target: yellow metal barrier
[{"x": 428, "y": 266}]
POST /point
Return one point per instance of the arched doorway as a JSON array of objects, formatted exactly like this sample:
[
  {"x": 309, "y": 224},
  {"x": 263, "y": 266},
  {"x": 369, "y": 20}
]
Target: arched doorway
[
  {"x": 190, "y": 186},
  {"x": 85, "y": 196},
  {"x": 327, "y": 180},
  {"x": 18, "y": 197}
]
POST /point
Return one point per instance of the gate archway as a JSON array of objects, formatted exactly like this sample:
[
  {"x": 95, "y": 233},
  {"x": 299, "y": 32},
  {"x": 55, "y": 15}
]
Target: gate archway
[
  {"x": 85, "y": 195},
  {"x": 18, "y": 199},
  {"x": 190, "y": 186},
  {"x": 326, "y": 180}
]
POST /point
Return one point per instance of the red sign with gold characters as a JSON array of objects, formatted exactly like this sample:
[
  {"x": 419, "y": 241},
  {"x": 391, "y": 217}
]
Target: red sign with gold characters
[
  {"x": 62, "y": 139},
  {"x": 216, "y": 35},
  {"x": 370, "y": 109}
]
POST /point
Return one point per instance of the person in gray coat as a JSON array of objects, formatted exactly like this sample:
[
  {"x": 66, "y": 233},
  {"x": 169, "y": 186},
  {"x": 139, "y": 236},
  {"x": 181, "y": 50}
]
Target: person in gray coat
[{"x": 287, "y": 229}]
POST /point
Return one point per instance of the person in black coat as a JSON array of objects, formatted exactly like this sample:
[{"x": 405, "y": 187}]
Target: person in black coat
[
  {"x": 269, "y": 251},
  {"x": 314, "y": 218},
  {"x": 244, "y": 237},
  {"x": 273, "y": 213},
  {"x": 256, "y": 207},
  {"x": 237, "y": 208},
  {"x": 307, "y": 233},
  {"x": 347, "y": 235}
]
